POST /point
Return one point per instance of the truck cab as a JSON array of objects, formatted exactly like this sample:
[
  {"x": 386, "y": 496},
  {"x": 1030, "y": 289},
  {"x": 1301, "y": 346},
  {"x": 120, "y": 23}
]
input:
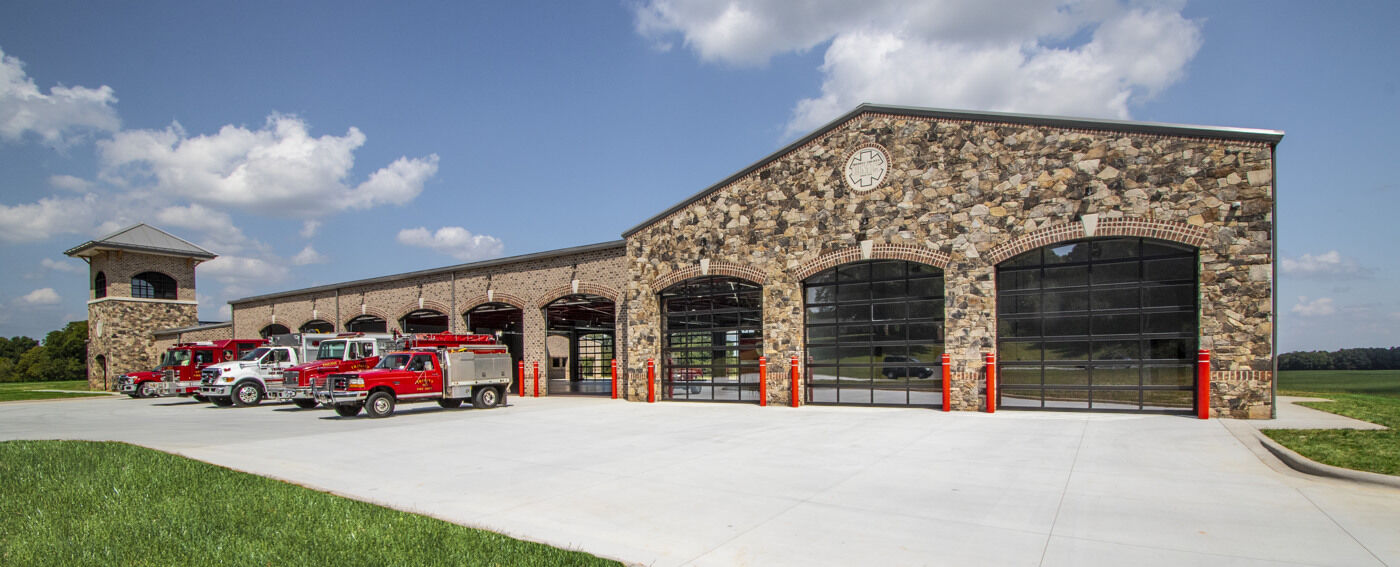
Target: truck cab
[
  {"x": 177, "y": 373},
  {"x": 243, "y": 382},
  {"x": 340, "y": 353},
  {"x": 476, "y": 368}
]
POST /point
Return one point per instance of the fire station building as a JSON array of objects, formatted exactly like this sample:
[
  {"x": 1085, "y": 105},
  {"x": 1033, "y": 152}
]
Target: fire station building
[{"x": 1093, "y": 260}]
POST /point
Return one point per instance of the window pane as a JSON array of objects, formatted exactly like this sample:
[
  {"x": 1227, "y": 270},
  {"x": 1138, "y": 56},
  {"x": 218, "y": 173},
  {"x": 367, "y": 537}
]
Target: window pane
[
  {"x": 1066, "y": 376},
  {"x": 1018, "y": 328},
  {"x": 1116, "y": 375},
  {"x": 1110, "y": 248},
  {"x": 1019, "y": 376},
  {"x": 1067, "y": 399},
  {"x": 1117, "y": 272},
  {"x": 1077, "y": 350},
  {"x": 1116, "y": 324},
  {"x": 1069, "y": 276},
  {"x": 1064, "y": 326},
  {"x": 1020, "y": 351},
  {"x": 1169, "y": 270},
  {"x": 1169, "y": 376}
]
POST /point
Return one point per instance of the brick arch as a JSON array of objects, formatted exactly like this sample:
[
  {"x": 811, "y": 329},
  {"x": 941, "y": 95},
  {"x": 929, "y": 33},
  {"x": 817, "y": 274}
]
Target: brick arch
[
  {"x": 716, "y": 269},
  {"x": 907, "y": 252},
  {"x": 427, "y": 304},
  {"x": 1179, "y": 232},
  {"x": 303, "y": 323},
  {"x": 499, "y": 297},
  {"x": 591, "y": 288},
  {"x": 368, "y": 311}
]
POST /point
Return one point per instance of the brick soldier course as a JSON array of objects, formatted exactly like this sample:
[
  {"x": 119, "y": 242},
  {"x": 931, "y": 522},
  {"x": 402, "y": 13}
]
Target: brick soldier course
[{"x": 959, "y": 191}]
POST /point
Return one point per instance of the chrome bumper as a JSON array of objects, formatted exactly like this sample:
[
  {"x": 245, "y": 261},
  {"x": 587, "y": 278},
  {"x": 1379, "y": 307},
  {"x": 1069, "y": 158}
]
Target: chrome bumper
[
  {"x": 331, "y": 397},
  {"x": 220, "y": 391},
  {"x": 285, "y": 393}
]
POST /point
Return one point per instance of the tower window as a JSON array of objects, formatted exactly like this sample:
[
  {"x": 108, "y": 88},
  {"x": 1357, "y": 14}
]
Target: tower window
[
  {"x": 153, "y": 285},
  {"x": 99, "y": 285}
]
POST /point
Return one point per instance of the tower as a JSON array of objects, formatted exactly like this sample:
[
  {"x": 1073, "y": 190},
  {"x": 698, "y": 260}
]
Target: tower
[{"x": 141, "y": 279}]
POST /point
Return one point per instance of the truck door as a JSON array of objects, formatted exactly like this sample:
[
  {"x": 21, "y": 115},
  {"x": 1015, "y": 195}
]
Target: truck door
[{"x": 423, "y": 371}]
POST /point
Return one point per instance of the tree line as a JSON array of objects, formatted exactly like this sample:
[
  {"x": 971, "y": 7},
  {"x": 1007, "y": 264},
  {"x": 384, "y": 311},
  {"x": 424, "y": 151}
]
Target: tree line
[
  {"x": 62, "y": 356},
  {"x": 1344, "y": 359}
]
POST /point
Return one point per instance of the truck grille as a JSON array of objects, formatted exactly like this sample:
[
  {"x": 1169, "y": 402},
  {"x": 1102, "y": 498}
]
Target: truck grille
[
  {"x": 339, "y": 383},
  {"x": 289, "y": 378},
  {"x": 169, "y": 375},
  {"x": 208, "y": 376}
]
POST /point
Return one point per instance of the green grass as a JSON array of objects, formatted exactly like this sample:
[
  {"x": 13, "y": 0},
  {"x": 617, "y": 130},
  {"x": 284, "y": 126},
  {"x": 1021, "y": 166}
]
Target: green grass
[
  {"x": 26, "y": 390},
  {"x": 1377, "y": 382},
  {"x": 83, "y": 503},
  {"x": 1368, "y": 395}
]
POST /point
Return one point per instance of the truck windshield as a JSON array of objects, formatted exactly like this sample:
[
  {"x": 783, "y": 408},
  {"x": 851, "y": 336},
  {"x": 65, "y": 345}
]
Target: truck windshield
[
  {"x": 331, "y": 350},
  {"x": 254, "y": 354},
  {"x": 393, "y": 362},
  {"x": 175, "y": 358}
]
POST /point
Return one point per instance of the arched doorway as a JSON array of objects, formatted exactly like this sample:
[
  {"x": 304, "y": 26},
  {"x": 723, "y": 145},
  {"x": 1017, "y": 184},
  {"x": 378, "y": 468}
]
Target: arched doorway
[
  {"x": 580, "y": 330},
  {"x": 367, "y": 324},
  {"x": 274, "y": 329},
  {"x": 317, "y": 326},
  {"x": 1106, "y": 324},
  {"x": 504, "y": 320},
  {"x": 712, "y": 339},
  {"x": 101, "y": 361},
  {"x": 874, "y": 334},
  {"x": 423, "y": 321}
]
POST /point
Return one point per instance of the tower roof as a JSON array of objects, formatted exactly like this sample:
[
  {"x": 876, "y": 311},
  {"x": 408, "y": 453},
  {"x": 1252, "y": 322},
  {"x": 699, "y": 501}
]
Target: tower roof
[{"x": 142, "y": 238}]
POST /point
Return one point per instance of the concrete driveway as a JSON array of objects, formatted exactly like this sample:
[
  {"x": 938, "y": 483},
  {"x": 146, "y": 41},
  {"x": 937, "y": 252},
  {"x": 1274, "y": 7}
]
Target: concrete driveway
[{"x": 728, "y": 484}]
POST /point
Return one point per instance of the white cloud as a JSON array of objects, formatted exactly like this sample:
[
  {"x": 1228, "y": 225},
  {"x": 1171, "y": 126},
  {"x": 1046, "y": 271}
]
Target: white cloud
[
  {"x": 1319, "y": 307},
  {"x": 48, "y": 217},
  {"x": 41, "y": 296},
  {"x": 72, "y": 267},
  {"x": 308, "y": 256},
  {"x": 57, "y": 117},
  {"x": 1086, "y": 58},
  {"x": 309, "y": 228},
  {"x": 242, "y": 272},
  {"x": 1322, "y": 266},
  {"x": 454, "y": 241},
  {"x": 70, "y": 183},
  {"x": 278, "y": 170}
]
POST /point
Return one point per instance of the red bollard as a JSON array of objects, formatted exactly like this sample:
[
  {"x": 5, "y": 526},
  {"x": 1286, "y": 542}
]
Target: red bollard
[
  {"x": 762, "y": 381},
  {"x": 614, "y": 378},
  {"x": 991, "y": 383},
  {"x": 651, "y": 381},
  {"x": 795, "y": 375},
  {"x": 1203, "y": 384},
  {"x": 947, "y": 382},
  {"x": 521, "y": 383},
  {"x": 537, "y": 377}
]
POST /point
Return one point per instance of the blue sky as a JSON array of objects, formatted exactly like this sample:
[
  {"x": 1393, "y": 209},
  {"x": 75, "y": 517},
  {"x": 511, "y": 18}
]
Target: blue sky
[{"x": 311, "y": 143}]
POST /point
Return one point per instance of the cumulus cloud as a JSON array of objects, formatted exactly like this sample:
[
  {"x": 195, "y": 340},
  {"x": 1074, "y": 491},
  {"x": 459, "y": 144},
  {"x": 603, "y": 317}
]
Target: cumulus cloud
[
  {"x": 57, "y": 117},
  {"x": 454, "y": 241},
  {"x": 1319, "y": 307},
  {"x": 48, "y": 217},
  {"x": 70, "y": 183},
  {"x": 73, "y": 267},
  {"x": 277, "y": 170},
  {"x": 1085, "y": 58},
  {"x": 41, "y": 296},
  {"x": 239, "y": 273},
  {"x": 309, "y": 256},
  {"x": 309, "y": 228},
  {"x": 1323, "y": 266}
]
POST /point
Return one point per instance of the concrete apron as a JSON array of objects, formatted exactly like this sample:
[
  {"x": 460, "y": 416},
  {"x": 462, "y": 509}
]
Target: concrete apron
[{"x": 727, "y": 484}]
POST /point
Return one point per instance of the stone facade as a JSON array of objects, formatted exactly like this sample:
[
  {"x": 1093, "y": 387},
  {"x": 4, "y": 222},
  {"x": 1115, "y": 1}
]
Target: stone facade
[
  {"x": 528, "y": 282},
  {"x": 120, "y": 327},
  {"x": 964, "y": 194}
]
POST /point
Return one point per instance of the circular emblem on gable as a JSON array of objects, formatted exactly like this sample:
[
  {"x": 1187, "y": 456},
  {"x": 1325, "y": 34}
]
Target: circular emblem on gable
[{"x": 866, "y": 167}]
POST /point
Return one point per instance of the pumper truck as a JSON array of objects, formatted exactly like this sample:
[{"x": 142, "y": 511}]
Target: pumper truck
[
  {"x": 247, "y": 381},
  {"x": 448, "y": 369},
  {"x": 340, "y": 353},
  {"x": 177, "y": 373}
]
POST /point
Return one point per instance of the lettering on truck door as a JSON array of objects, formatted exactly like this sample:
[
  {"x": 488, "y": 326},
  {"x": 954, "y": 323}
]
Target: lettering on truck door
[{"x": 422, "y": 367}]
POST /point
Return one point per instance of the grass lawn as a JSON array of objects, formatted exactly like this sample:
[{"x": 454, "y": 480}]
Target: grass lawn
[
  {"x": 12, "y": 391},
  {"x": 1369, "y": 395},
  {"x": 85, "y": 503}
]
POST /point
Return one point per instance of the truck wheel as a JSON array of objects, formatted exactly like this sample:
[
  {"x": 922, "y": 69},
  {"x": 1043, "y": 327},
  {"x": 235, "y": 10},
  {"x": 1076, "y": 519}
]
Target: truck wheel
[
  {"x": 450, "y": 403},
  {"x": 147, "y": 390},
  {"x": 485, "y": 398},
  {"x": 135, "y": 395},
  {"x": 304, "y": 403},
  {"x": 350, "y": 410},
  {"x": 201, "y": 398},
  {"x": 221, "y": 401},
  {"x": 246, "y": 394},
  {"x": 379, "y": 404}
]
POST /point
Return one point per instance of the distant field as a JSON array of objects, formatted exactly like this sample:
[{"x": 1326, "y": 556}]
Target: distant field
[
  {"x": 28, "y": 390},
  {"x": 1374, "y": 382}
]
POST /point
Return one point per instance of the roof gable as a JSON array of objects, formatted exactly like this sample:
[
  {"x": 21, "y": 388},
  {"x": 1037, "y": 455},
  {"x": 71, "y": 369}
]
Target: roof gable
[{"x": 143, "y": 238}]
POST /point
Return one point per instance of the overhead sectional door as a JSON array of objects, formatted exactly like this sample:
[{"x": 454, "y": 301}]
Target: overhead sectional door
[
  {"x": 714, "y": 336},
  {"x": 1102, "y": 324},
  {"x": 875, "y": 334}
]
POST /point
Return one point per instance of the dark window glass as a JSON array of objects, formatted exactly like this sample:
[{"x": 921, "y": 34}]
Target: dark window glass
[
  {"x": 99, "y": 285},
  {"x": 714, "y": 337},
  {"x": 366, "y": 324},
  {"x": 317, "y": 326},
  {"x": 153, "y": 285}
]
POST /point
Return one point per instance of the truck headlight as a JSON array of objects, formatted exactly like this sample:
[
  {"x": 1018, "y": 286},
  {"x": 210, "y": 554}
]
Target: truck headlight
[{"x": 356, "y": 382}]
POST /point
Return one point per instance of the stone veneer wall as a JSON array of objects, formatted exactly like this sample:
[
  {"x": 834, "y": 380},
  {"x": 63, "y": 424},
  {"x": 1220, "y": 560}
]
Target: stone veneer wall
[
  {"x": 121, "y": 328},
  {"x": 528, "y": 284},
  {"x": 964, "y": 195}
]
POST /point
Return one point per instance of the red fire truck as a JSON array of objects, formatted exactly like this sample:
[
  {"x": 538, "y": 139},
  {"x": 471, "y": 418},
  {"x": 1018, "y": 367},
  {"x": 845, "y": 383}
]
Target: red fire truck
[
  {"x": 177, "y": 374},
  {"x": 447, "y": 369},
  {"x": 343, "y": 353}
]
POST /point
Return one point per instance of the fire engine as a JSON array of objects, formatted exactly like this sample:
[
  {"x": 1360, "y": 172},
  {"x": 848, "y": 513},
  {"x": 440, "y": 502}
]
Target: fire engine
[
  {"x": 342, "y": 353},
  {"x": 245, "y": 382},
  {"x": 177, "y": 374},
  {"x": 444, "y": 368}
]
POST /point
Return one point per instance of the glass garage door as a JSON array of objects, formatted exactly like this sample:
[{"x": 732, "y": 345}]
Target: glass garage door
[
  {"x": 1103, "y": 324},
  {"x": 875, "y": 334},
  {"x": 714, "y": 337}
]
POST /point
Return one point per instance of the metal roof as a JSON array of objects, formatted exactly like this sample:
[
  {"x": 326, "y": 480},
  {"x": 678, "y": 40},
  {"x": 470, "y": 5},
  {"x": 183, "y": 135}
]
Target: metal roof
[
  {"x": 143, "y": 238},
  {"x": 447, "y": 269},
  {"x": 1126, "y": 126}
]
